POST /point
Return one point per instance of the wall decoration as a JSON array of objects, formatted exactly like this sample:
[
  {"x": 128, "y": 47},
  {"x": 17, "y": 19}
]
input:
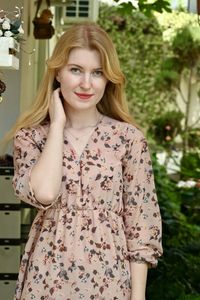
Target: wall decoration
[
  {"x": 11, "y": 35},
  {"x": 43, "y": 28},
  {"x": 2, "y": 89},
  {"x": 11, "y": 23}
]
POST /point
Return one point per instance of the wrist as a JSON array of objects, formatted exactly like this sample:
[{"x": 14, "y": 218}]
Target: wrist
[
  {"x": 137, "y": 298},
  {"x": 138, "y": 294},
  {"x": 57, "y": 126}
]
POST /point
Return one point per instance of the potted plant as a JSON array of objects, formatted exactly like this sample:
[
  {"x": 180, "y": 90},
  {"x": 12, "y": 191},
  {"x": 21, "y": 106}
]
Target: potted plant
[{"x": 11, "y": 33}]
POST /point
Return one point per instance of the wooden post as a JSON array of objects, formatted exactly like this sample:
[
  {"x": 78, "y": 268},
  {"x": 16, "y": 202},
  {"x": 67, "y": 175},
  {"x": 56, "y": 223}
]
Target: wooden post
[{"x": 198, "y": 7}]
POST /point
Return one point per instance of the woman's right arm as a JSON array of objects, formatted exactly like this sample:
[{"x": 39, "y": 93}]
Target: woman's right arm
[{"x": 46, "y": 174}]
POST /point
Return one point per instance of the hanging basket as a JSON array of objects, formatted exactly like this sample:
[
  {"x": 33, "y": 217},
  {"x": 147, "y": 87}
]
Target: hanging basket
[{"x": 42, "y": 22}]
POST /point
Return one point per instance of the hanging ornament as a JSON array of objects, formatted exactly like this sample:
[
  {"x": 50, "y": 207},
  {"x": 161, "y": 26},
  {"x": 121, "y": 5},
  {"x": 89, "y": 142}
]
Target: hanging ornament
[
  {"x": 30, "y": 54},
  {"x": 2, "y": 89}
]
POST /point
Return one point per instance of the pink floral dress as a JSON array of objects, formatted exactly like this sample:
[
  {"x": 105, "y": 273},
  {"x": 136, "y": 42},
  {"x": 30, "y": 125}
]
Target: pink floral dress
[{"x": 106, "y": 214}]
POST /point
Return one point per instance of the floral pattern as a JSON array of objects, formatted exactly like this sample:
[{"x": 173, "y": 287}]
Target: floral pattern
[
  {"x": 105, "y": 215},
  {"x": 11, "y": 23}
]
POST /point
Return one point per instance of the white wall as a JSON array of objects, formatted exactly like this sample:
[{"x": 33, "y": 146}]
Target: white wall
[
  {"x": 191, "y": 5},
  {"x": 9, "y": 107},
  {"x": 194, "y": 108}
]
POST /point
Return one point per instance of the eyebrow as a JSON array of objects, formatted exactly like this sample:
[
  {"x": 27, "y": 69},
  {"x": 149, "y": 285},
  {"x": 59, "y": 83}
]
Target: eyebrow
[{"x": 78, "y": 66}]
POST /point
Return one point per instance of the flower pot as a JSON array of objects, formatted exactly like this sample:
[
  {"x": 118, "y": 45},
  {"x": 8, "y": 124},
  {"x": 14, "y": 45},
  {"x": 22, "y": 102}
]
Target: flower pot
[
  {"x": 8, "y": 45},
  {"x": 8, "y": 50}
]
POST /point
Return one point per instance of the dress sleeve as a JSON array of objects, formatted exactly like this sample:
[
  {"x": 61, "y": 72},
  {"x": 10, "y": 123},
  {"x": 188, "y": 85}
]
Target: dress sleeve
[
  {"x": 26, "y": 152},
  {"x": 141, "y": 216}
]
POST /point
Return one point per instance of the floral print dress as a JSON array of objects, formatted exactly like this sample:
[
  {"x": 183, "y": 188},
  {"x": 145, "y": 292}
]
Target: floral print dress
[{"x": 105, "y": 216}]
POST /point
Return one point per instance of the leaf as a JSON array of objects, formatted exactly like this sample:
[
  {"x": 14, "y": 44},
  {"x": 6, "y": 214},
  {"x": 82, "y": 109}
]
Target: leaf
[
  {"x": 81, "y": 268},
  {"x": 98, "y": 177},
  {"x": 101, "y": 289},
  {"x": 126, "y": 8}
]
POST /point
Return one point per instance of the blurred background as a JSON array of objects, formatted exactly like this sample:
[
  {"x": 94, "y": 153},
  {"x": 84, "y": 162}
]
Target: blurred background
[{"x": 158, "y": 43}]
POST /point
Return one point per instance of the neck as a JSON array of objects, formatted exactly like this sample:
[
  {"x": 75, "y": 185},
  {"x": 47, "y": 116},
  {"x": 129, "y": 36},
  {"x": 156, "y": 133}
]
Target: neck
[{"x": 83, "y": 119}]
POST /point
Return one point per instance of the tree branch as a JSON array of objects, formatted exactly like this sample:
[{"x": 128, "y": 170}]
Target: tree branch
[
  {"x": 196, "y": 122},
  {"x": 181, "y": 93}
]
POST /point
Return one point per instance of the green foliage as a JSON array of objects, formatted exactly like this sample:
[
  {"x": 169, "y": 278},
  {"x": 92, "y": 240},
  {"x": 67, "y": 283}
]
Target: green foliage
[
  {"x": 190, "y": 165},
  {"x": 145, "y": 7},
  {"x": 186, "y": 46},
  {"x": 183, "y": 62},
  {"x": 185, "y": 54},
  {"x": 194, "y": 138},
  {"x": 190, "y": 204},
  {"x": 176, "y": 277},
  {"x": 169, "y": 75},
  {"x": 190, "y": 297},
  {"x": 171, "y": 23},
  {"x": 142, "y": 44},
  {"x": 146, "y": 57},
  {"x": 158, "y": 5},
  {"x": 139, "y": 44},
  {"x": 166, "y": 127}
]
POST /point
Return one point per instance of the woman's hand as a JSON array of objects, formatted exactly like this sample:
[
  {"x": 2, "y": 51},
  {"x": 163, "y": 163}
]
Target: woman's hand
[{"x": 56, "y": 109}]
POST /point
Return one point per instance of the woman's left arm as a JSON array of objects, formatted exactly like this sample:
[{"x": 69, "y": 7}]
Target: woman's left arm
[{"x": 142, "y": 219}]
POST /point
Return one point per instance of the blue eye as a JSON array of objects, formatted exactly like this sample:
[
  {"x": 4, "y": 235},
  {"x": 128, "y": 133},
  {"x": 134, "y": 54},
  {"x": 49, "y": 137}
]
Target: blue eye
[
  {"x": 75, "y": 70},
  {"x": 97, "y": 73}
]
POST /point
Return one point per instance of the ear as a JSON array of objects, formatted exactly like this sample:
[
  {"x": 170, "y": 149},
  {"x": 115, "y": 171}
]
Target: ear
[
  {"x": 56, "y": 84},
  {"x": 58, "y": 77}
]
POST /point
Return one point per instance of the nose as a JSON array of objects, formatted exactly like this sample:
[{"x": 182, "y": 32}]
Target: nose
[{"x": 86, "y": 81}]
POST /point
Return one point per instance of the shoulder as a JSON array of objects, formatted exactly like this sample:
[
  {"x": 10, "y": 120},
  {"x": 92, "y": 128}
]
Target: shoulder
[
  {"x": 33, "y": 133},
  {"x": 31, "y": 138},
  {"x": 129, "y": 131}
]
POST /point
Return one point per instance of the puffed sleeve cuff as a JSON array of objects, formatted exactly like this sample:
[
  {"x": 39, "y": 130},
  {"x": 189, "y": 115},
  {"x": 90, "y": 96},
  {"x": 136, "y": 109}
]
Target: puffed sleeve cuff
[
  {"x": 144, "y": 254},
  {"x": 40, "y": 205}
]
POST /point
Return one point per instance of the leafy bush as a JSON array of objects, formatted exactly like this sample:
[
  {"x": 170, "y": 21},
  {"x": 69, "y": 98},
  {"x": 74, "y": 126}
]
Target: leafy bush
[
  {"x": 190, "y": 165},
  {"x": 194, "y": 138},
  {"x": 140, "y": 47},
  {"x": 166, "y": 127},
  {"x": 142, "y": 44},
  {"x": 183, "y": 63},
  {"x": 186, "y": 45},
  {"x": 178, "y": 272},
  {"x": 190, "y": 204}
]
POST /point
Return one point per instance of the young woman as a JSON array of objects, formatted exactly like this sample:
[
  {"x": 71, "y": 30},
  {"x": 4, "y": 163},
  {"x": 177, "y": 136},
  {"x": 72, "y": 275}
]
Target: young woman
[{"x": 80, "y": 160}]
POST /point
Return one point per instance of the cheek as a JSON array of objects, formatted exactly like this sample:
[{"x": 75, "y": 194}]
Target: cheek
[
  {"x": 100, "y": 84},
  {"x": 67, "y": 82},
  {"x": 102, "y": 87}
]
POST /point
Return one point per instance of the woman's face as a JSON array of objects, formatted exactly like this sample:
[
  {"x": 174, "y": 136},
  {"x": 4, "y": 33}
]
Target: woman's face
[{"x": 82, "y": 80}]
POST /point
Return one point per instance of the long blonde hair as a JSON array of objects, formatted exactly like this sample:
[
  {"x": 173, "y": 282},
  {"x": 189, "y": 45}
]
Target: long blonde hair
[{"x": 81, "y": 35}]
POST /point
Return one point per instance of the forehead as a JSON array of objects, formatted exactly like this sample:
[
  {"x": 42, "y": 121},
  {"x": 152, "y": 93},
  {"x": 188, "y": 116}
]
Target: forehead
[{"x": 85, "y": 57}]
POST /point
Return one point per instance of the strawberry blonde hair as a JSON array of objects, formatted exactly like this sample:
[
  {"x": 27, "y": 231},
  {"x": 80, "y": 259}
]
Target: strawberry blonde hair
[{"x": 81, "y": 35}]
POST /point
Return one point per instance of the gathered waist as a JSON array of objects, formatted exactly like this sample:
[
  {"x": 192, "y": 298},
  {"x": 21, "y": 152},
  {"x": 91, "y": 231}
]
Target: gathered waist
[
  {"x": 74, "y": 211},
  {"x": 75, "y": 208}
]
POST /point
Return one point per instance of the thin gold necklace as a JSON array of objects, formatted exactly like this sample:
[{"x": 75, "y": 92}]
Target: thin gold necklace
[{"x": 77, "y": 138}]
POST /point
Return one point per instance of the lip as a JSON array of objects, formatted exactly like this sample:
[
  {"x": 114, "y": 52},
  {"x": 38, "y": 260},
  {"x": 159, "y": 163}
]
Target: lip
[{"x": 84, "y": 96}]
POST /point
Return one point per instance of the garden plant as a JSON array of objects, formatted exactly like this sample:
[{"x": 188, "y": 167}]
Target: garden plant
[{"x": 154, "y": 59}]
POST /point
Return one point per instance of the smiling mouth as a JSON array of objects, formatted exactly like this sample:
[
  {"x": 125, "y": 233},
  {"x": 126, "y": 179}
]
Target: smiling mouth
[{"x": 83, "y": 96}]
